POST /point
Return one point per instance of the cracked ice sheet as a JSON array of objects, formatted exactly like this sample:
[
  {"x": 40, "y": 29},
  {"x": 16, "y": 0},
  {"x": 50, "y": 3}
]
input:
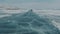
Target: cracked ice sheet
[
  {"x": 48, "y": 12},
  {"x": 10, "y": 12},
  {"x": 1, "y": 16},
  {"x": 52, "y": 14},
  {"x": 43, "y": 12},
  {"x": 56, "y": 24}
]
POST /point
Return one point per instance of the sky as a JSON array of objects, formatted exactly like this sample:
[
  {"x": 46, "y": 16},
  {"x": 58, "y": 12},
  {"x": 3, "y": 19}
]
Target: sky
[{"x": 36, "y": 4}]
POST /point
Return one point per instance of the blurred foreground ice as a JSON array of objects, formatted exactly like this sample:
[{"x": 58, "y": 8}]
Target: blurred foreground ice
[{"x": 52, "y": 14}]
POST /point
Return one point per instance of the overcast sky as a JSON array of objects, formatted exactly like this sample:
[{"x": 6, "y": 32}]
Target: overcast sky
[{"x": 37, "y": 4}]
